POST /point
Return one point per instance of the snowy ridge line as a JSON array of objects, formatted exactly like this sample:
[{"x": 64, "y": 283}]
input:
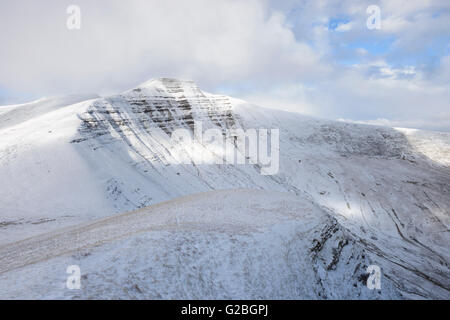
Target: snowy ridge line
[
  {"x": 17, "y": 114},
  {"x": 291, "y": 249},
  {"x": 28, "y": 251}
]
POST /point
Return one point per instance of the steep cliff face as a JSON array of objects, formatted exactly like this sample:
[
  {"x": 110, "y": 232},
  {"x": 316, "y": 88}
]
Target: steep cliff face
[
  {"x": 166, "y": 104},
  {"x": 388, "y": 188}
]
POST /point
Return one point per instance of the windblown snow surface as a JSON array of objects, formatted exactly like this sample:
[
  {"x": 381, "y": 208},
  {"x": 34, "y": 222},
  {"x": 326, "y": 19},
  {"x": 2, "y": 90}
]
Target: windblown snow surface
[
  {"x": 346, "y": 196},
  {"x": 221, "y": 244}
]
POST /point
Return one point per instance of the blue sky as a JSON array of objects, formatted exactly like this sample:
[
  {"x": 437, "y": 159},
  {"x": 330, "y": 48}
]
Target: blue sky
[{"x": 314, "y": 57}]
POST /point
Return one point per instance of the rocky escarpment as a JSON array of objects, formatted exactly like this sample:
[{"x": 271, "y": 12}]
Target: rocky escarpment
[{"x": 167, "y": 104}]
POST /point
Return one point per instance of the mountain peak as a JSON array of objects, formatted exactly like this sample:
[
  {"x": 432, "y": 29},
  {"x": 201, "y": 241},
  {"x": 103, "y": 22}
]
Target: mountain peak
[{"x": 165, "y": 82}]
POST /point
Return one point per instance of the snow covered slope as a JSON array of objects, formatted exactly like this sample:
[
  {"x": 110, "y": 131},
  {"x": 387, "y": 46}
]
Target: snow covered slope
[
  {"x": 221, "y": 244},
  {"x": 389, "y": 188}
]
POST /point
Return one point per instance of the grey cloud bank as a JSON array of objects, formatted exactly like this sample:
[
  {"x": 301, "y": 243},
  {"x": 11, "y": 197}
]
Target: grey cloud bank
[{"x": 277, "y": 55}]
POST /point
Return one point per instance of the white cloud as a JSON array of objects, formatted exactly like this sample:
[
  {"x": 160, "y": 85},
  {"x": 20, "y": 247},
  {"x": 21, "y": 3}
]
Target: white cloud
[
  {"x": 289, "y": 97},
  {"x": 277, "y": 54},
  {"x": 344, "y": 27},
  {"x": 121, "y": 44},
  {"x": 439, "y": 124},
  {"x": 350, "y": 94}
]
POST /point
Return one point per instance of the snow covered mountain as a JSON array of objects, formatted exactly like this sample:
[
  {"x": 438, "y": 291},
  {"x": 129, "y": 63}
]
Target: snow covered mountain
[{"x": 388, "y": 190}]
